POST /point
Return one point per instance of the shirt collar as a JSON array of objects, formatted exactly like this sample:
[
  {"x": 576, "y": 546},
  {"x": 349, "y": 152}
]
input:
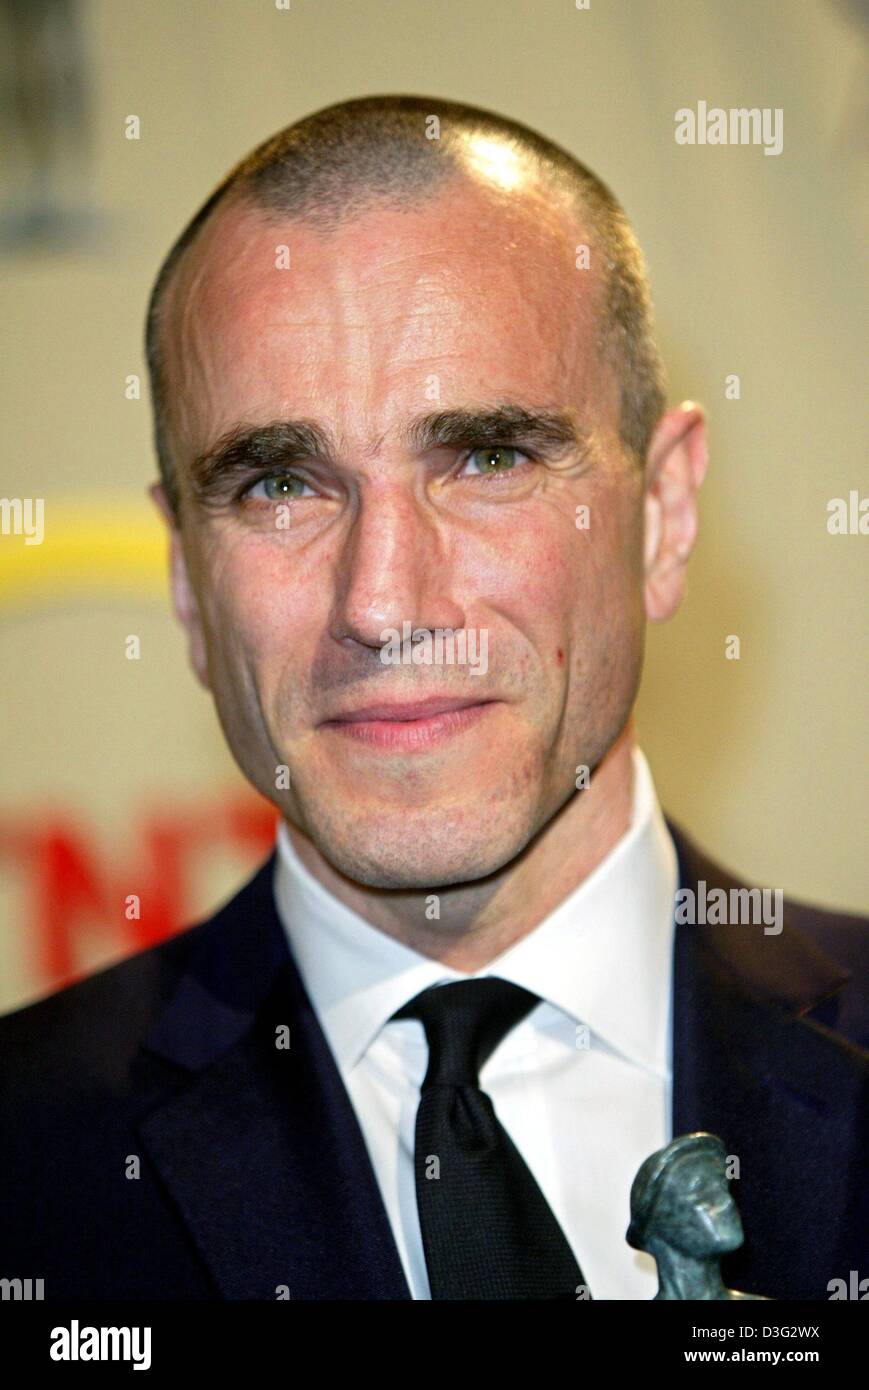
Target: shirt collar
[{"x": 602, "y": 956}]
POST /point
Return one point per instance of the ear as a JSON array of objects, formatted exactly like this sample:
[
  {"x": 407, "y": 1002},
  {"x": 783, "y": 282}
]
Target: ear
[
  {"x": 183, "y": 596},
  {"x": 675, "y": 468}
]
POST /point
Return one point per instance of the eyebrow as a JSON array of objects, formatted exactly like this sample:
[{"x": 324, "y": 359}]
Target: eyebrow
[
  {"x": 505, "y": 424},
  {"x": 244, "y": 449}
]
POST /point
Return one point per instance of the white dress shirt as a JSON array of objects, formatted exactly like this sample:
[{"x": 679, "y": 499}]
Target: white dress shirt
[{"x": 581, "y": 1084}]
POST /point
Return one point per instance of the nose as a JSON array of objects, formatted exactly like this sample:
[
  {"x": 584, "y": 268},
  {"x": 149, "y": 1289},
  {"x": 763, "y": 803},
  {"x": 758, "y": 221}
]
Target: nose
[{"x": 393, "y": 567}]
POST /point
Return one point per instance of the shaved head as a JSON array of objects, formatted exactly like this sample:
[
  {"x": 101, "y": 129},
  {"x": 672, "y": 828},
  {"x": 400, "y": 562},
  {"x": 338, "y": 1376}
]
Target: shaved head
[{"x": 399, "y": 153}]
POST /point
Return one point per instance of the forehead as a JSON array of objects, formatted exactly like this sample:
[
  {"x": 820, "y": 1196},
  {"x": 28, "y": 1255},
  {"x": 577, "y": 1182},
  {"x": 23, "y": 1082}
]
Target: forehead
[{"x": 470, "y": 298}]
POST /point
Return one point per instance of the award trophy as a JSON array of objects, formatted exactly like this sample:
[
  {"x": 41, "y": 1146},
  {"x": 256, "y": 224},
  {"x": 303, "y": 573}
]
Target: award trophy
[{"x": 683, "y": 1215}]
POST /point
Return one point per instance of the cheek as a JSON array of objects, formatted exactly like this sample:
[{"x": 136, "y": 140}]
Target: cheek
[
  {"x": 555, "y": 584},
  {"x": 607, "y": 625},
  {"x": 258, "y": 612},
  {"x": 574, "y": 594},
  {"x": 608, "y": 568}
]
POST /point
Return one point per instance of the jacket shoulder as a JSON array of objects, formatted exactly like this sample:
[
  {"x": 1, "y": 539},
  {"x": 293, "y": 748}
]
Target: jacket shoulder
[
  {"x": 843, "y": 935},
  {"x": 85, "y": 1035},
  {"x": 818, "y": 948}
]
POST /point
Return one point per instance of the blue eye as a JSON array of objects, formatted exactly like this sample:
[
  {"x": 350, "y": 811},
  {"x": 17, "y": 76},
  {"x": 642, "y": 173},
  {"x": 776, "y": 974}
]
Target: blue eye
[
  {"x": 278, "y": 487},
  {"x": 494, "y": 459}
]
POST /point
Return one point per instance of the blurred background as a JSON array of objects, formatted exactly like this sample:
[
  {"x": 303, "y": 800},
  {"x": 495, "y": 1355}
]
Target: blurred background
[{"x": 114, "y": 776}]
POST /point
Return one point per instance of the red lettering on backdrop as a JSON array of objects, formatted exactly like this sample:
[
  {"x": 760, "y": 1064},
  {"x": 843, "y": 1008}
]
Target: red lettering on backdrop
[{"x": 70, "y": 887}]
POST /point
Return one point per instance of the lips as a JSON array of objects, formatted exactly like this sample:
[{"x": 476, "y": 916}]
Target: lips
[
  {"x": 403, "y": 711},
  {"x": 409, "y": 727}
]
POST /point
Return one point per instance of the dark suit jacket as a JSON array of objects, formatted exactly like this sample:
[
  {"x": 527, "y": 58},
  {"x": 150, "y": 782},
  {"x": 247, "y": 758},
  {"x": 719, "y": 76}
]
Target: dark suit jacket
[{"x": 253, "y": 1172}]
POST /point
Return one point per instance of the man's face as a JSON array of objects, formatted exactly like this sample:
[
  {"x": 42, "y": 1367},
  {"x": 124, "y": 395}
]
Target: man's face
[{"x": 295, "y": 572}]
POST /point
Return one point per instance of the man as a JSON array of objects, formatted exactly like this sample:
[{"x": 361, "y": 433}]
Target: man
[{"x": 406, "y": 392}]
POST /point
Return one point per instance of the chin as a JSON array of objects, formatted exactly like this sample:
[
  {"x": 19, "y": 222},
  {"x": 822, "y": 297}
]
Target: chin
[{"x": 422, "y": 851}]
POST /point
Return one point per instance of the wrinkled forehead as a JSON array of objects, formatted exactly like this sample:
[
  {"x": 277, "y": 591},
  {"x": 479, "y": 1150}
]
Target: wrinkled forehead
[{"x": 484, "y": 290}]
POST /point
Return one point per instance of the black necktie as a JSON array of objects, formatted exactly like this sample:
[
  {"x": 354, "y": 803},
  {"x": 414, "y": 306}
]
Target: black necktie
[{"x": 487, "y": 1229}]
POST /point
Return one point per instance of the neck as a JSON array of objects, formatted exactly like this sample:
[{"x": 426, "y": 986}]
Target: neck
[
  {"x": 680, "y": 1276},
  {"x": 479, "y": 920}
]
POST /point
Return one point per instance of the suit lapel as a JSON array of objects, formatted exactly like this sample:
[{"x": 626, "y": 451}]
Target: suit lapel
[
  {"x": 260, "y": 1148},
  {"x": 261, "y": 1151},
  {"x": 782, "y": 1091}
]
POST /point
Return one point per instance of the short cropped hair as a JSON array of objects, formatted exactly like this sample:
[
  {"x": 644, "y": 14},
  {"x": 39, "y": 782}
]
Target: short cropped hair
[{"x": 334, "y": 164}]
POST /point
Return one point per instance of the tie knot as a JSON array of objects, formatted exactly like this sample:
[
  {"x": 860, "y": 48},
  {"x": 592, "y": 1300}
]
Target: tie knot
[{"x": 464, "y": 1023}]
